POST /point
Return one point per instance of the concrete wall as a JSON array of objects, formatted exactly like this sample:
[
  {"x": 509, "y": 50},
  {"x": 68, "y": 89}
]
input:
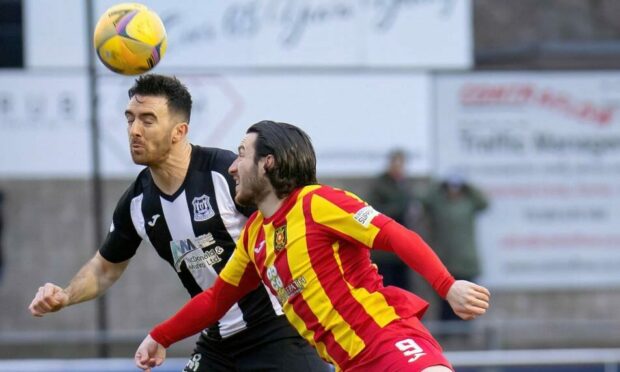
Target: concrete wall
[{"x": 48, "y": 237}]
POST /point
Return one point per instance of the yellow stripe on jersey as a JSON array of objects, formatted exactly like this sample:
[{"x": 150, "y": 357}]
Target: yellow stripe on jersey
[
  {"x": 236, "y": 265},
  {"x": 336, "y": 249},
  {"x": 270, "y": 255},
  {"x": 240, "y": 259},
  {"x": 349, "y": 193},
  {"x": 252, "y": 229},
  {"x": 318, "y": 301},
  {"x": 374, "y": 303},
  {"x": 326, "y": 213},
  {"x": 306, "y": 333}
]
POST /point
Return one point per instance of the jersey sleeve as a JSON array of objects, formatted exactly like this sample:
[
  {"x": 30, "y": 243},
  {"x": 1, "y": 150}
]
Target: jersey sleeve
[
  {"x": 414, "y": 251},
  {"x": 223, "y": 160},
  {"x": 200, "y": 312},
  {"x": 237, "y": 279},
  {"x": 122, "y": 240},
  {"x": 346, "y": 215},
  {"x": 239, "y": 263},
  {"x": 350, "y": 218}
]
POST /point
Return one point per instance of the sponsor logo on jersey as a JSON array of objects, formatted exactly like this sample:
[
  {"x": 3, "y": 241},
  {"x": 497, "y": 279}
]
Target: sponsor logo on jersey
[
  {"x": 284, "y": 292},
  {"x": 202, "y": 208},
  {"x": 191, "y": 252},
  {"x": 194, "y": 363},
  {"x": 365, "y": 215},
  {"x": 199, "y": 261},
  {"x": 259, "y": 247},
  {"x": 153, "y": 220},
  {"x": 279, "y": 238}
]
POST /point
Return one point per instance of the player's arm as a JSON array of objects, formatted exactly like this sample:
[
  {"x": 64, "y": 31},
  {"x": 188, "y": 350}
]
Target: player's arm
[
  {"x": 199, "y": 313},
  {"x": 468, "y": 300},
  {"x": 414, "y": 251},
  {"x": 348, "y": 217},
  {"x": 98, "y": 274},
  {"x": 93, "y": 279}
]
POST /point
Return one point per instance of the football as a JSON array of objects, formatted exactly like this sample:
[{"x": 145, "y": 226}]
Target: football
[{"x": 130, "y": 38}]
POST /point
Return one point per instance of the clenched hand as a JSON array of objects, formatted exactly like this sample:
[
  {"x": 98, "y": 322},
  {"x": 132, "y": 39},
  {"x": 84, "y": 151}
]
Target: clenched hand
[
  {"x": 468, "y": 300},
  {"x": 50, "y": 298},
  {"x": 149, "y": 354}
]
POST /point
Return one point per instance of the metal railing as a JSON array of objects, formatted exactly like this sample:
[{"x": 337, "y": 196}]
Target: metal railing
[{"x": 609, "y": 359}]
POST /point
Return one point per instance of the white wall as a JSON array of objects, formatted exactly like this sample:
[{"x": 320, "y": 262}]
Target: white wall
[
  {"x": 353, "y": 120},
  {"x": 44, "y": 125}
]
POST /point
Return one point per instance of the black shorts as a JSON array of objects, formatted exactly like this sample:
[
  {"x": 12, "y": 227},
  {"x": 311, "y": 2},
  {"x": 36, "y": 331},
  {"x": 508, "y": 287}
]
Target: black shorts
[{"x": 271, "y": 346}]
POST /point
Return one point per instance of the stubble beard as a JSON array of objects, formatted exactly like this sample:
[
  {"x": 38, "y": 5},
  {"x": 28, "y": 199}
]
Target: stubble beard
[
  {"x": 255, "y": 191},
  {"x": 150, "y": 158},
  {"x": 139, "y": 159}
]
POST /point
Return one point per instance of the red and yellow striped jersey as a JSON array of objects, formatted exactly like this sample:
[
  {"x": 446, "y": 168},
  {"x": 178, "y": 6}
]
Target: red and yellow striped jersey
[{"x": 312, "y": 254}]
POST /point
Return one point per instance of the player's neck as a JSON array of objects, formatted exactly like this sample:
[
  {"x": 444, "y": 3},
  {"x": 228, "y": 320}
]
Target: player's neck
[
  {"x": 170, "y": 174},
  {"x": 270, "y": 204}
]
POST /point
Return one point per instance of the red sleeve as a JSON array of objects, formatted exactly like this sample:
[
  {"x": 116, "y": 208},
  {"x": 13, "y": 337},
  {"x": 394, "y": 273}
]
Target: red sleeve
[
  {"x": 414, "y": 251},
  {"x": 204, "y": 309}
]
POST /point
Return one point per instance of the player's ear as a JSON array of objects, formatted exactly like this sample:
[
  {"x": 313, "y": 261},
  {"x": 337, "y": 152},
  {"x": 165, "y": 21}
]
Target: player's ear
[
  {"x": 270, "y": 162},
  {"x": 179, "y": 132}
]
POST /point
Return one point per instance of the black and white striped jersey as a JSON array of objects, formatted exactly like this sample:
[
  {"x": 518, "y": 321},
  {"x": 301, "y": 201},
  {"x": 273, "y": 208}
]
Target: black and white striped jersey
[{"x": 195, "y": 230}]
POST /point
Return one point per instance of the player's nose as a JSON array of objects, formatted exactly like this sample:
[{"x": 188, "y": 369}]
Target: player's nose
[{"x": 233, "y": 167}]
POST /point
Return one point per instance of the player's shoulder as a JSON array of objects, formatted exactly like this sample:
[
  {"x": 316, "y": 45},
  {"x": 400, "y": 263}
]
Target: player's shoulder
[
  {"x": 251, "y": 226},
  {"x": 142, "y": 182},
  {"x": 332, "y": 197},
  {"x": 254, "y": 217},
  {"x": 333, "y": 193},
  {"x": 211, "y": 158},
  {"x": 136, "y": 188}
]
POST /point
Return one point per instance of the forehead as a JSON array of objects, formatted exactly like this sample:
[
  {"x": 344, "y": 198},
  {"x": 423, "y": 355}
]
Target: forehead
[
  {"x": 139, "y": 103},
  {"x": 248, "y": 142}
]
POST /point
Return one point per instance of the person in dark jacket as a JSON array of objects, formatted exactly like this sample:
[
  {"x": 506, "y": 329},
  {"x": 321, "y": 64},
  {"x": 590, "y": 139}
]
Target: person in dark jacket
[
  {"x": 451, "y": 207},
  {"x": 390, "y": 194}
]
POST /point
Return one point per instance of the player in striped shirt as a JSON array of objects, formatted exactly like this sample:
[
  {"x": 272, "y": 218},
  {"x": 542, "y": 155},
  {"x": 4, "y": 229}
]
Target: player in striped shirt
[
  {"x": 308, "y": 244},
  {"x": 182, "y": 204}
]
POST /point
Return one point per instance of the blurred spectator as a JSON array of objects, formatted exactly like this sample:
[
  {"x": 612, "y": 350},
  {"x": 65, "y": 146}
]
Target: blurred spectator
[
  {"x": 451, "y": 207},
  {"x": 1, "y": 235},
  {"x": 390, "y": 194}
]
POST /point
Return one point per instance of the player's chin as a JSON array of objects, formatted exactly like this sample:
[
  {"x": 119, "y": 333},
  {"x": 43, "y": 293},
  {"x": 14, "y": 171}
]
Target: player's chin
[
  {"x": 139, "y": 158},
  {"x": 241, "y": 198}
]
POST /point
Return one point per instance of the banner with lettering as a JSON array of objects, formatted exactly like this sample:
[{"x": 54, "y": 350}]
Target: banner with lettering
[
  {"x": 546, "y": 149},
  {"x": 44, "y": 125},
  {"x": 430, "y": 34}
]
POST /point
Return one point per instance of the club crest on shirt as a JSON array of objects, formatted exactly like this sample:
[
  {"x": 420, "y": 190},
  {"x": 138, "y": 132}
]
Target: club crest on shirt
[
  {"x": 202, "y": 208},
  {"x": 279, "y": 238}
]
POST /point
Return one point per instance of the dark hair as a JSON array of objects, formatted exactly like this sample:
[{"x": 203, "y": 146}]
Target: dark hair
[
  {"x": 177, "y": 95},
  {"x": 396, "y": 154},
  {"x": 295, "y": 161}
]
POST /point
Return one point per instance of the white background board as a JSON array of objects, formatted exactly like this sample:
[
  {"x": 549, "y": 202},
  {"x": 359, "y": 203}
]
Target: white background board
[
  {"x": 353, "y": 121},
  {"x": 546, "y": 148},
  {"x": 276, "y": 33}
]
